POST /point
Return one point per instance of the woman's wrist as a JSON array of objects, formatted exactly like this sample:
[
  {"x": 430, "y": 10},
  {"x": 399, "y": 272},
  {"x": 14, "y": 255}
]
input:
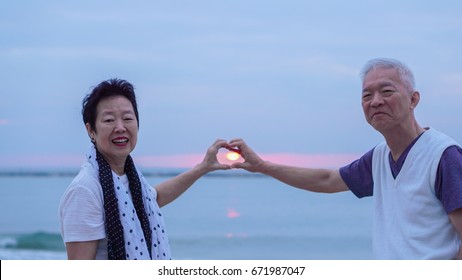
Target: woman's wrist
[{"x": 201, "y": 169}]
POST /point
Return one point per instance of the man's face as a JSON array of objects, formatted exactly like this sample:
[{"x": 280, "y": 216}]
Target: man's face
[{"x": 386, "y": 99}]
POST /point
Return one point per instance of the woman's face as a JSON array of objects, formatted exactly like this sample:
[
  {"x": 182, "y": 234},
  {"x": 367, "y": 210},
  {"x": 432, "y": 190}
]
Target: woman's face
[{"x": 116, "y": 130}]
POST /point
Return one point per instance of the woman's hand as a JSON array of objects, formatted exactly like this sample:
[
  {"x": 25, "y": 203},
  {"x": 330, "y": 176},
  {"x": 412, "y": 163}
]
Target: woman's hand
[
  {"x": 210, "y": 161},
  {"x": 171, "y": 189}
]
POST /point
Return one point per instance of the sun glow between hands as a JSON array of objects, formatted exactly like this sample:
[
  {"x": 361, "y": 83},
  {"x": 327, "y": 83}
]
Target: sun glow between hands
[{"x": 232, "y": 156}]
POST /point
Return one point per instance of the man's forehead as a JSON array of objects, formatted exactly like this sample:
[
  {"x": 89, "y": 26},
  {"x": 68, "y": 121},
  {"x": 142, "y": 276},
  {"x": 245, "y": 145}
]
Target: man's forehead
[
  {"x": 381, "y": 83},
  {"x": 382, "y": 72},
  {"x": 381, "y": 78}
]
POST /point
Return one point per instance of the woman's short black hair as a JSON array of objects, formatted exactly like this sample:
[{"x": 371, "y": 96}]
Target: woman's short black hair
[{"x": 108, "y": 88}]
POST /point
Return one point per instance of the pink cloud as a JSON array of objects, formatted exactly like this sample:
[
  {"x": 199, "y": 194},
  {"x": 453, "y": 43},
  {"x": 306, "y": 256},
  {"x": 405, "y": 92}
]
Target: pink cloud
[
  {"x": 303, "y": 160},
  {"x": 48, "y": 161},
  {"x": 312, "y": 160},
  {"x": 4, "y": 122},
  {"x": 179, "y": 161},
  {"x": 174, "y": 161}
]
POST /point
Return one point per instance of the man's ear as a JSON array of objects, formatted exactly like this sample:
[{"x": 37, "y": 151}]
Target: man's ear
[{"x": 415, "y": 98}]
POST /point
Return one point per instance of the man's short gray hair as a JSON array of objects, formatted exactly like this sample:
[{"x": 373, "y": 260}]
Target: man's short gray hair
[{"x": 388, "y": 63}]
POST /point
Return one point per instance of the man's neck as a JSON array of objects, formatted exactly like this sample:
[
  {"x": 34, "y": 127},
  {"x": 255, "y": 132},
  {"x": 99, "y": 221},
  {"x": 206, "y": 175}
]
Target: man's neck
[{"x": 399, "y": 139}]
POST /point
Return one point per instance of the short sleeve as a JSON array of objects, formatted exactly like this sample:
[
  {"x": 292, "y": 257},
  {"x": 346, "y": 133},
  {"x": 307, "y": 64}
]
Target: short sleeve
[
  {"x": 81, "y": 214},
  {"x": 358, "y": 175},
  {"x": 448, "y": 183}
]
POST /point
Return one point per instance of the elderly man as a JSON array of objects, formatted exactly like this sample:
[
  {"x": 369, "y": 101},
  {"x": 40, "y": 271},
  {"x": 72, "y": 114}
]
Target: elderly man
[{"x": 414, "y": 176}]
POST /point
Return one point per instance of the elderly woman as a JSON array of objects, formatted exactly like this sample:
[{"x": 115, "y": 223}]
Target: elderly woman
[{"x": 109, "y": 211}]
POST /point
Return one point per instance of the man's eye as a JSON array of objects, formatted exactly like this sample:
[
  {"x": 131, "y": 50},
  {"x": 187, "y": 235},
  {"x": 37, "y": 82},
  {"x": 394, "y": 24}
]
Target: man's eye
[
  {"x": 367, "y": 96},
  {"x": 388, "y": 91}
]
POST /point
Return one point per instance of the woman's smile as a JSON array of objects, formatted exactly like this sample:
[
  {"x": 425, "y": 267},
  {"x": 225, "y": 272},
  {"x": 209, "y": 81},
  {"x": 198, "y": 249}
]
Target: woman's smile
[{"x": 120, "y": 141}]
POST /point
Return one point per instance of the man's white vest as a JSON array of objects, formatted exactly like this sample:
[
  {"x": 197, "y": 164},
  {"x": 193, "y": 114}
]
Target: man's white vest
[{"x": 409, "y": 220}]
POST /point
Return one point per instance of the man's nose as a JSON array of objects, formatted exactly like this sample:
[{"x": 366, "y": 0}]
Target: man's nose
[{"x": 377, "y": 100}]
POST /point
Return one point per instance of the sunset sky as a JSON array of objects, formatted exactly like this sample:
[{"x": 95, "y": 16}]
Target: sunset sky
[{"x": 283, "y": 75}]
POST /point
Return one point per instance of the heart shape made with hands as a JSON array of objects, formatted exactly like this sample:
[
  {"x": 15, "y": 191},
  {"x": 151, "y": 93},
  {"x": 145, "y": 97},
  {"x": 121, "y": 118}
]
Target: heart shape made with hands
[{"x": 229, "y": 156}]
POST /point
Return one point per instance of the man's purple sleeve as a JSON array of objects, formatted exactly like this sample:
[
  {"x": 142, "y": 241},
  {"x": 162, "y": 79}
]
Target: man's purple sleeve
[
  {"x": 358, "y": 175},
  {"x": 448, "y": 183}
]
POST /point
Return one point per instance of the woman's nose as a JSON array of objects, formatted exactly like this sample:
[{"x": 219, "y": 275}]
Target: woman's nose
[{"x": 119, "y": 126}]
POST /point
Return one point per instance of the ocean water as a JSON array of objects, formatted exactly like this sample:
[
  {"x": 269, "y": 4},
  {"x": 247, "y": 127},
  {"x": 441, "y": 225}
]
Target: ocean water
[{"x": 220, "y": 217}]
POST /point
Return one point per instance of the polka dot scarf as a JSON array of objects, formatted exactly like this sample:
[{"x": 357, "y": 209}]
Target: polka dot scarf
[
  {"x": 134, "y": 225},
  {"x": 114, "y": 229}
]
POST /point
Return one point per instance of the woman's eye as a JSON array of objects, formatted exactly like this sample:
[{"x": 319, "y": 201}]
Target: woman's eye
[{"x": 128, "y": 117}]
